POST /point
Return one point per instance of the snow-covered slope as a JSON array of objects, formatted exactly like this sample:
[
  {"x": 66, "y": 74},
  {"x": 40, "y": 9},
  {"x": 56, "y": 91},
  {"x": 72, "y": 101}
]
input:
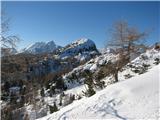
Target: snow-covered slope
[
  {"x": 133, "y": 99},
  {"x": 97, "y": 64},
  {"x": 41, "y": 47}
]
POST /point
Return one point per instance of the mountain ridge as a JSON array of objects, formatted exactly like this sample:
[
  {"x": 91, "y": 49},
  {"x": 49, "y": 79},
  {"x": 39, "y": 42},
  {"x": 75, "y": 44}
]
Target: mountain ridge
[{"x": 41, "y": 47}]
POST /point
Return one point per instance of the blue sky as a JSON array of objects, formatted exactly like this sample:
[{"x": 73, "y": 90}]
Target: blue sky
[{"x": 65, "y": 22}]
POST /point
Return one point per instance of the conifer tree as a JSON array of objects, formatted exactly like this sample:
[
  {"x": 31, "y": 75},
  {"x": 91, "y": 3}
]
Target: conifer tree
[
  {"x": 89, "y": 81},
  {"x": 42, "y": 92}
]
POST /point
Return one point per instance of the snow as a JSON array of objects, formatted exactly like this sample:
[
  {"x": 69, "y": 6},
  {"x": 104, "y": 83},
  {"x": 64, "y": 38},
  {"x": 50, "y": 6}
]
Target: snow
[
  {"x": 84, "y": 46},
  {"x": 94, "y": 67},
  {"x": 82, "y": 41},
  {"x": 76, "y": 90},
  {"x": 31, "y": 112},
  {"x": 135, "y": 98},
  {"x": 40, "y": 47}
]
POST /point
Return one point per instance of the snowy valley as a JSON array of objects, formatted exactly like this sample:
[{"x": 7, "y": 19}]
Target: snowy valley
[{"x": 57, "y": 85}]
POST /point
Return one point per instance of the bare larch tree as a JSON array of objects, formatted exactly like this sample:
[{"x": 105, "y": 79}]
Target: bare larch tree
[
  {"x": 8, "y": 42},
  {"x": 126, "y": 41}
]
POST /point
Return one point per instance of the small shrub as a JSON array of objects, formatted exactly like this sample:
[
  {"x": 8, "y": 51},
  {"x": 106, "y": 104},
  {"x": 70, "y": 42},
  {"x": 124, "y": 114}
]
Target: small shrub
[
  {"x": 141, "y": 69},
  {"x": 79, "y": 97},
  {"x": 90, "y": 91},
  {"x": 52, "y": 90},
  {"x": 60, "y": 84},
  {"x": 47, "y": 85},
  {"x": 127, "y": 76},
  {"x": 60, "y": 98},
  {"x": 131, "y": 66},
  {"x": 60, "y": 101},
  {"x": 136, "y": 70},
  {"x": 157, "y": 61},
  {"x": 72, "y": 97},
  {"x": 53, "y": 108},
  {"x": 145, "y": 66},
  {"x": 68, "y": 99},
  {"x": 144, "y": 57}
]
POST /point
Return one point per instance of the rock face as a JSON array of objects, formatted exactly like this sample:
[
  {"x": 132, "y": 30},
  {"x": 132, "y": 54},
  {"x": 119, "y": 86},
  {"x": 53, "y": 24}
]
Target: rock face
[
  {"x": 41, "y": 47},
  {"x": 68, "y": 57},
  {"x": 80, "y": 49}
]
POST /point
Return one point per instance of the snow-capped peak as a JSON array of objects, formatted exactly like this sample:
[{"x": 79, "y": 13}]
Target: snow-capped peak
[
  {"x": 83, "y": 45},
  {"x": 50, "y": 43},
  {"x": 41, "y": 47},
  {"x": 81, "y": 41}
]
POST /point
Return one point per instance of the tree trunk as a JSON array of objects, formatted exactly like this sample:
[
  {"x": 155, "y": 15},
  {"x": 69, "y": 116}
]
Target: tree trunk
[
  {"x": 116, "y": 76},
  {"x": 129, "y": 52}
]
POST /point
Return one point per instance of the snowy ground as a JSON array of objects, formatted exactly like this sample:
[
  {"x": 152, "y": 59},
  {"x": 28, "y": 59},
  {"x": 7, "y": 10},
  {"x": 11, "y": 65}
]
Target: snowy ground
[{"x": 133, "y": 99}]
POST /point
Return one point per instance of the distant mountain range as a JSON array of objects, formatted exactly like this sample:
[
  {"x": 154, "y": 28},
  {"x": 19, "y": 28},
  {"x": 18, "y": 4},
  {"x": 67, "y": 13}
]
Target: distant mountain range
[
  {"x": 81, "y": 46},
  {"x": 82, "y": 50},
  {"x": 41, "y": 47}
]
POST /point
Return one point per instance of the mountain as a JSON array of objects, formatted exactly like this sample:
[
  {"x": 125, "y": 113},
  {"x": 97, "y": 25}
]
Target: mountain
[
  {"x": 65, "y": 58},
  {"x": 135, "y": 98},
  {"x": 41, "y": 47},
  {"x": 82, "y": 49}
]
